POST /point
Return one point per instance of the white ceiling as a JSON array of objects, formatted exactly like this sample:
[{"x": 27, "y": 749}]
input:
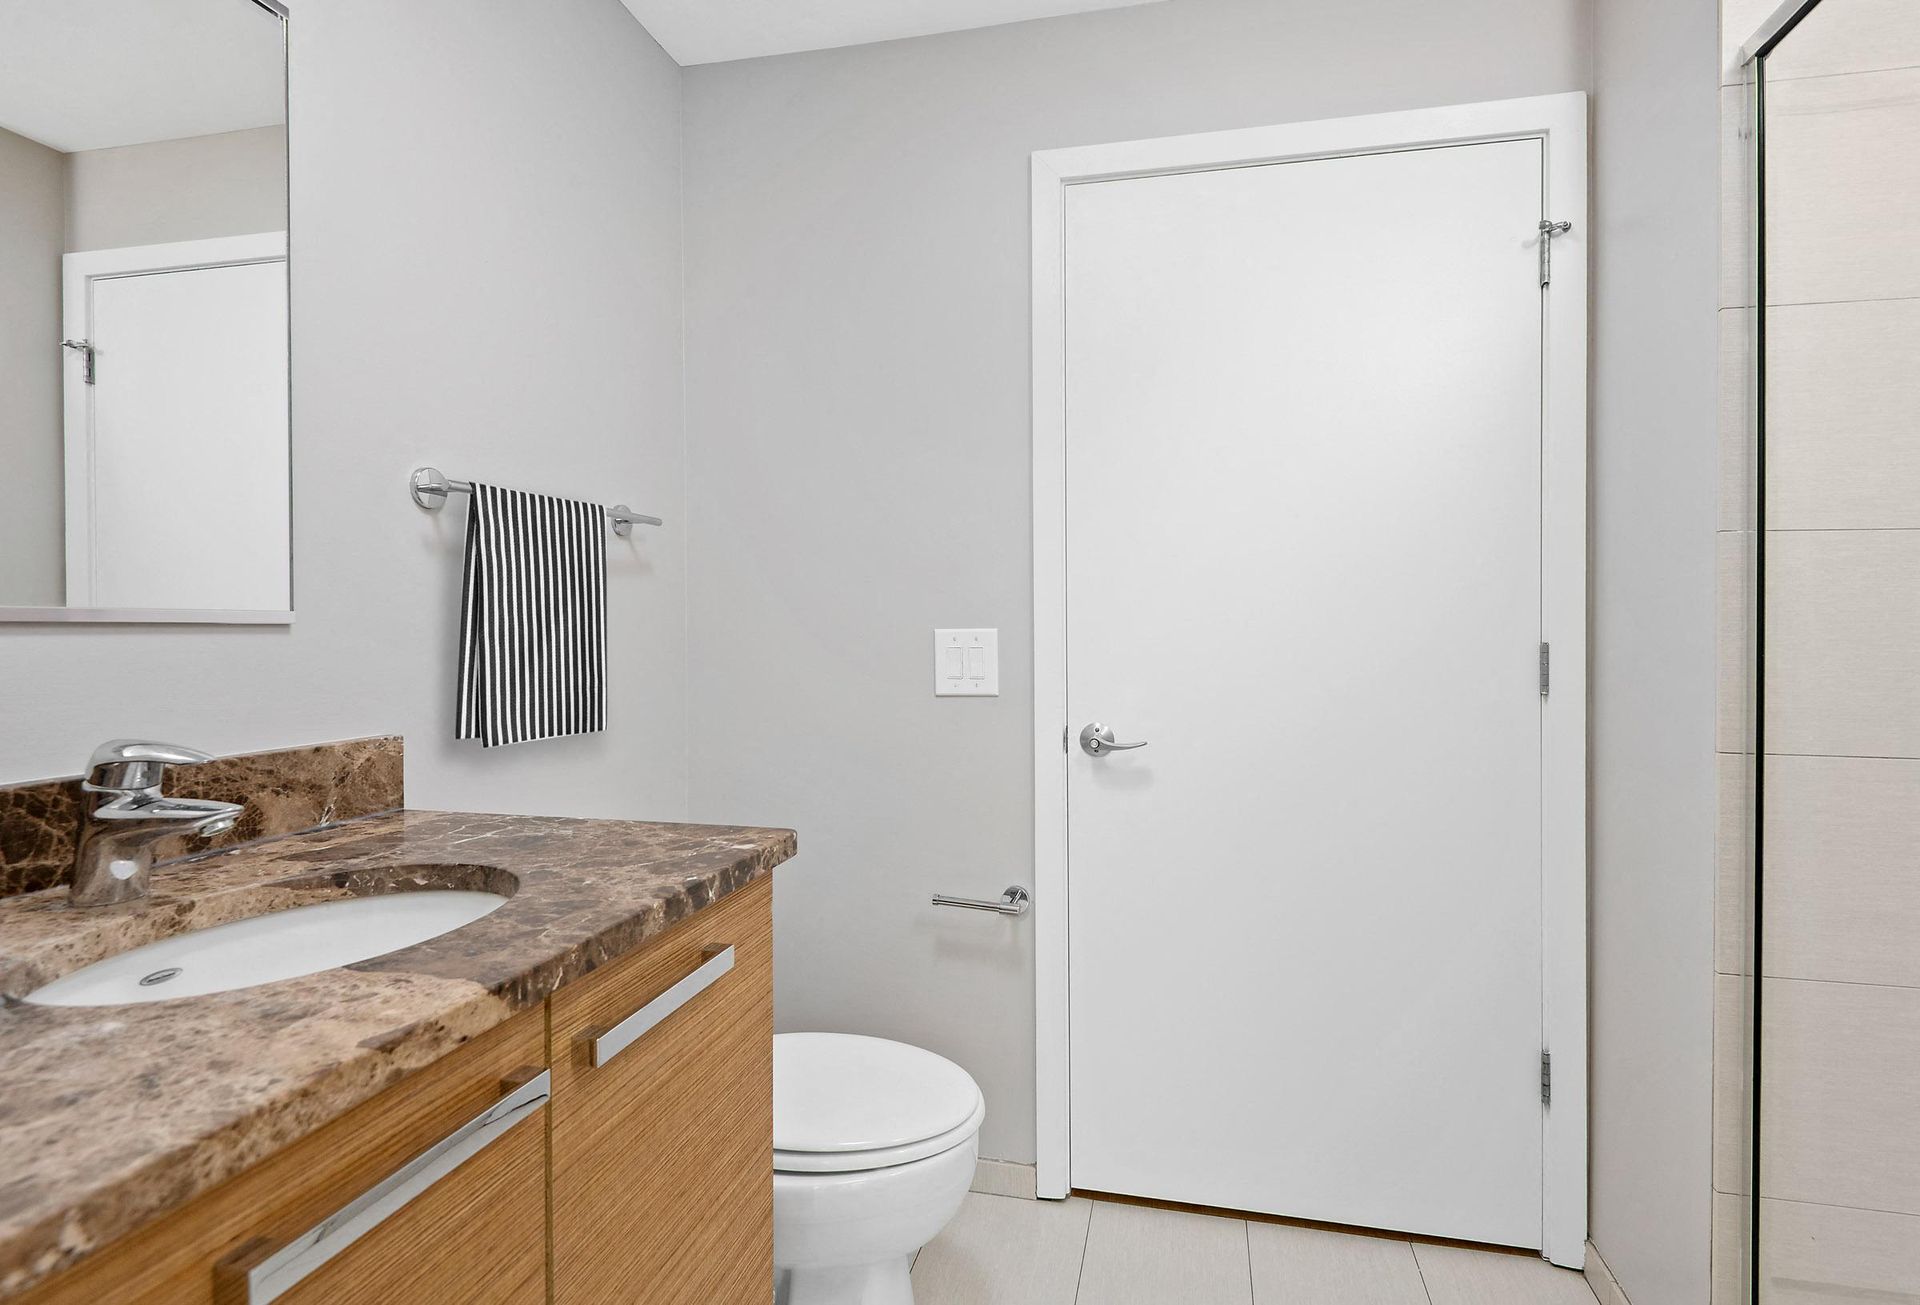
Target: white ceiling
[
  {"x": 83, "y": 76},
  {"x": 713, "y": 31}
]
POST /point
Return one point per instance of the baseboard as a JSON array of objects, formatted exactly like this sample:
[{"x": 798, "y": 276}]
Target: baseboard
[
  {"x": 1600, "y": 1278},
  {"x": 1004, "y": 1178}
]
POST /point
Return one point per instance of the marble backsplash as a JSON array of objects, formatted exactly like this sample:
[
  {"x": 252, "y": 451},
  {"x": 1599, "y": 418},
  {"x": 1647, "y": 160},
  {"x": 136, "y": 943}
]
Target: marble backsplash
[{"x": 285, "y": 791}]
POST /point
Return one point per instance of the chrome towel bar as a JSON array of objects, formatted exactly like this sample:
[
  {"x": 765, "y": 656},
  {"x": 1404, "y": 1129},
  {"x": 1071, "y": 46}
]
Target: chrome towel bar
[
  {"x": 430, "y": 489},
  {"x": 1012, "y": 902}
]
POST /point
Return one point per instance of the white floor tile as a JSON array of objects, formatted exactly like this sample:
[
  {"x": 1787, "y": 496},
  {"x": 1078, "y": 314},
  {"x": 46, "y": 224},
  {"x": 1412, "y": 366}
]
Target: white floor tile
[
  {"x": 1455, "y": 1276},
  {"x": 1000, "y": 1250},
  {"x": 1309, "y": 1266},
  {"x": 1142, "y": 1256},
  {"x": 1006, "y": 1251}
]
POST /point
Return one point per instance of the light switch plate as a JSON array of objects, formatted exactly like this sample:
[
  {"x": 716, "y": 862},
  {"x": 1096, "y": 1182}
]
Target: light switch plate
[{"x": 966, "y": 663}]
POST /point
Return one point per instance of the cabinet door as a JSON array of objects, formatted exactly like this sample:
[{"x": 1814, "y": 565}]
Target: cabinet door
[
  {"x": 477, "y": 1234},
  {"x": 663, "y": 1151},
  {"x": 465, "y": 1220}
]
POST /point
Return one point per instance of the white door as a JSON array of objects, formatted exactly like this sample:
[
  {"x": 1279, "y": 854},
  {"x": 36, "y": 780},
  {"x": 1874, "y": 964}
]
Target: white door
[
  {"x": 177, "y": 461},
  {"x": 1303, "y": 564}
]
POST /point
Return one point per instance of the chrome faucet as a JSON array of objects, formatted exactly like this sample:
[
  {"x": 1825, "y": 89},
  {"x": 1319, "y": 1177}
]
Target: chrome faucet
[{"x": 115, "y": 858}]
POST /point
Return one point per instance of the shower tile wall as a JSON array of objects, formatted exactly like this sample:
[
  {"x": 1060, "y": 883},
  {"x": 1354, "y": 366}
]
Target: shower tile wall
[{"x": 1840, "y": 1150}]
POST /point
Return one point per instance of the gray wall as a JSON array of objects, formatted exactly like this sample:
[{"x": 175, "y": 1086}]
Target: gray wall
[
  {"x": 32, "y": 206},
  {"x": 230, "y": 184},
  {"x": 857, "y": 334},
  {"x": 486, "y": 276},
  {"x": 1655, "y": 480}
]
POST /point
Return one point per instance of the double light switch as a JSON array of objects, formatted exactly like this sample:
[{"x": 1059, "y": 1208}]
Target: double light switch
[{"x": 966, "y": 663}]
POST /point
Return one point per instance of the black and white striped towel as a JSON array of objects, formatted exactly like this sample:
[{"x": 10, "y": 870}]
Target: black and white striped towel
[{"x": 533, "y": 618}]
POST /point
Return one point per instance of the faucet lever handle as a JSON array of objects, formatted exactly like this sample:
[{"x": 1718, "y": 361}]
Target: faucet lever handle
[{"x": 135, "y": 765}]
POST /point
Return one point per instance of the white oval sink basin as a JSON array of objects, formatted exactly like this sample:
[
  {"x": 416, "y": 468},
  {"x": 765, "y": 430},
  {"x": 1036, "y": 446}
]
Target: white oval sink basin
[{"x": 267, "y": 948}]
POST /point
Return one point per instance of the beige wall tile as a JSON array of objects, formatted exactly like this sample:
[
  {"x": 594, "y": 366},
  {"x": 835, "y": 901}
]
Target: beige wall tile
[
  {"x": 1843, "y": 882},
  {"x": 1843, "y": 414},
  {"x": 1734, "y": 730},
  {"x": 1736, "y": 203},
  {"x": 1739, "y": 19},
  {"x": 1822, "y": 1254},
  {"x": 1840, "y": 1094},
  {"x": 1843, "y": 627},
  {"x": 1732, "y": 896},
  {"x": 1847, "y": 36},
  {"x": 1730, "y": 1245},
  {"x": 1841, "y": 37},
  {"x": 1843, "y": 160},
  {"x": 1732, "y": 1083},
  {"x": 1736, "y": 419}
]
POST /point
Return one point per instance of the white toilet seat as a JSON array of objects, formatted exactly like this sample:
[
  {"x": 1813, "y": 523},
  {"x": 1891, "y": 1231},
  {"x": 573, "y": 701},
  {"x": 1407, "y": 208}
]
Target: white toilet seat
[
  {"x": 840, "y": 1162},
  {"x": 874, "y": 1148},
  {"x": 837, "y": 1093}
]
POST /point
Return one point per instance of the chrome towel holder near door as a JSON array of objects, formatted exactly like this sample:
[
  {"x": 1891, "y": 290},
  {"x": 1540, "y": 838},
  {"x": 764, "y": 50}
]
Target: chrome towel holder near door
[
  {"x": 1012, "y": 902},
  {"x": 430, "y": 489}
]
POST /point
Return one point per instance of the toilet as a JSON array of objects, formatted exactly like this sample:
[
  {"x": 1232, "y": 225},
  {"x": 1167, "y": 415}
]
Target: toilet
[{"x": 874, "y": 1144}]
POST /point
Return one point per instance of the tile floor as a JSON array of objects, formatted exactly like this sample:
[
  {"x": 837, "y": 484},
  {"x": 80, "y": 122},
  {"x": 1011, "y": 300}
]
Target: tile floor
[{"x": 1001, "y": 1250}]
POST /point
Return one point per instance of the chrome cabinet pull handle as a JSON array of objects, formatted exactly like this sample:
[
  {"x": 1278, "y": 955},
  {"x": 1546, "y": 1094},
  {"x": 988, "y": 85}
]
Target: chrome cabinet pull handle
[
  {"x": 248, "y": 1278},
  {"x": 604, "y": 1044},
  {"x": 1096, "y": 740}
]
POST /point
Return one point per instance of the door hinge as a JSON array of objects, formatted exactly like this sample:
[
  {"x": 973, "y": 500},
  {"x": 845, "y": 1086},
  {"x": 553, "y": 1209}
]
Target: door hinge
[
  {"x": 87, "y": 352},
  {"x": 1546, "y": 667},
  {"x": 1546, "y": 1078},
  {"x": 1548, "y": 230}
]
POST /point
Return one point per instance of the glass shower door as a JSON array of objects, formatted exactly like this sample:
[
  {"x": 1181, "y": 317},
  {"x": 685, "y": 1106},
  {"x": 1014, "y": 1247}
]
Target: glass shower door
[{"x": 1835, "y": 1156}]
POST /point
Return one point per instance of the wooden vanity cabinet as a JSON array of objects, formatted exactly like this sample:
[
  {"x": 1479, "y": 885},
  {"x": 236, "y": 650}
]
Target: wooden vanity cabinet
[
  {"x": 478, "y": 1234},
  {"x": 663, "y": 1152},
  {"x": 647, "y": 1177}
]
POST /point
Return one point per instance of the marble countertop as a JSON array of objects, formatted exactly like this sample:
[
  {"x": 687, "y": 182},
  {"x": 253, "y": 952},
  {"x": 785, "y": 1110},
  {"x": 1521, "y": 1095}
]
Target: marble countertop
[{"x": 112, "y": 1116}]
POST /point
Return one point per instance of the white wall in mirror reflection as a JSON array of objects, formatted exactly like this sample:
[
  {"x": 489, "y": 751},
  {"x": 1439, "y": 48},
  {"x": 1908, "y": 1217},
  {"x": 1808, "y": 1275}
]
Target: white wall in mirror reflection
[{"x": 144, "y": 429}]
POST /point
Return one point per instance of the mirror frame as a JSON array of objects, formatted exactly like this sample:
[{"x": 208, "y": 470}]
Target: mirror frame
[{"x": 196, "y": 615}]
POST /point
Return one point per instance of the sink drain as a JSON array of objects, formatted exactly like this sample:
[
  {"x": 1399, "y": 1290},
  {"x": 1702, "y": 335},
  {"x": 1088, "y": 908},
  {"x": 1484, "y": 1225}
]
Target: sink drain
[{"x": 160, "y": 976}]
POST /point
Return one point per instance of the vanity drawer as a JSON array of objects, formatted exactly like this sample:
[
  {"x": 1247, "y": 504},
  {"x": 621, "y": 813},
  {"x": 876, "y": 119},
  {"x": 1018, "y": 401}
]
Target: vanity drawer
[
  {"x": 662, "y": 1151},
  {"x": 474, "y": 1231}
]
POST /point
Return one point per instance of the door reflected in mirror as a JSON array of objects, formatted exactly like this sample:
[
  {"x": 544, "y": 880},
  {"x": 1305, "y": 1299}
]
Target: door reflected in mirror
[{"x": 144, "y": 420}]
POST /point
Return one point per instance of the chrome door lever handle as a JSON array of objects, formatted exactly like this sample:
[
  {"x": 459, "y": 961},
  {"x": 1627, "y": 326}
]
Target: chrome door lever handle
[{"x": 1096, "y": 740}]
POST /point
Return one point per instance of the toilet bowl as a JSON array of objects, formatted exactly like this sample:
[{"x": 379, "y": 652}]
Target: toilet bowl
[{"x": 874, "y": 1144}]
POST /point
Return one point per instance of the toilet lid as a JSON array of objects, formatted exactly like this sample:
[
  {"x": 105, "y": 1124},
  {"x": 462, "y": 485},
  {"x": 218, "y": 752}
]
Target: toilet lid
[{"x": 841, "y": 1092}]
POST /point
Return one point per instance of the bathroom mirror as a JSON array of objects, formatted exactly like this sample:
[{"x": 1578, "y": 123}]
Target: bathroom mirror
[{"x": 144, "y": 416}]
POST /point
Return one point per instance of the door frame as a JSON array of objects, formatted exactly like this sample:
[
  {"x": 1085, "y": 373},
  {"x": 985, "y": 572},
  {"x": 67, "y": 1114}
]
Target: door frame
[
  {"x": 1559, "y": 122},
  {"x": 78, "y": 272}
]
